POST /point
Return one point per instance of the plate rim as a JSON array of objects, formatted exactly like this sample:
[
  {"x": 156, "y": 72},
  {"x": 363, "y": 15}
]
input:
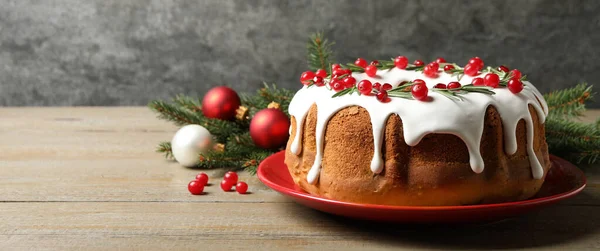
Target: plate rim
[{"x": 523, "y": 203}]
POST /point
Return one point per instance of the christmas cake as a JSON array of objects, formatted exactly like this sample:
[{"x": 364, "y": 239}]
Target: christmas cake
[{"x": 400, "y": 133}]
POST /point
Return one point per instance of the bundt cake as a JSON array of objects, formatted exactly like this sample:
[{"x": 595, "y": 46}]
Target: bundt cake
[{"x": 395, "y": 133}]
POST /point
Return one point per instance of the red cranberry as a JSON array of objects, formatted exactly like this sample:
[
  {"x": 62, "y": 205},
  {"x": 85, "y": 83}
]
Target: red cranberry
[
  {"x": 202, "y": 178},
  {"x": 453, "y": 85},
  {"x": 503, "y": 68},
  {"x": 375, "y": 62},
  {"x": 477, "y": 62},
  {"x": 361, "y": 62},
  {"x": 337, "y": 86},
  {"x": 306, "y": 77},
  {"x": 448, "y": 67},
  {"x": 401, "y": 62},
  {"x": 386, "y": 87},
  {"x": 440, "y": 86},
  {"x": 515, "y": 74},
  {"x": 321, "y": 73},
  {"x": 377, "y": 86},
  {"x": 491, "y": 80},
  {"x": 471, "y": 70},
  {"x": 349, "y": 82},
  {"x": 231, "y": 176},
  {"x": 431, "y": 69},
  {"x": 418, "y": 81},
  {"x": 365, "y": 87},
  {"x": 440, "y": 60},
  {"x": 477, "y": 82},
  {"x": 371, "y": 70},
  {"x": 418, "y": 63},
  {"x": 515, "y": 85},
  {"x": 382, "y": 96},
  {"x": 195, "y": 187},
  {"x": 419, "y": 92},
  {"x": 241, "y": 187},
  {"x": 226, "y": 185},
  {"x": 335, "y": 67},
  {"x": 318, "y": 81},
  {"x": 339, "y": 72}
]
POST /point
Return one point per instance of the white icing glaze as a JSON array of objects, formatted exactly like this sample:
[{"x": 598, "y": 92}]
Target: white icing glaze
[{"x": 464, "y": 118}]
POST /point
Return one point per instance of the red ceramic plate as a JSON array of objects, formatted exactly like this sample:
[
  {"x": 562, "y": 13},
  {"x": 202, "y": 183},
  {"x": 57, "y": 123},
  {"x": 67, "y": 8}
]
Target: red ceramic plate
[{"x": 563, "y": 181}]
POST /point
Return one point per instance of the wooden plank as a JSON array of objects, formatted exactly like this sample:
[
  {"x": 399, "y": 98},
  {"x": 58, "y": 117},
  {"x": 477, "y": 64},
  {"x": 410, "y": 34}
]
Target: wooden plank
[
  {"x": 107, "y": 154},
  {"x": 269, "y": 226}
]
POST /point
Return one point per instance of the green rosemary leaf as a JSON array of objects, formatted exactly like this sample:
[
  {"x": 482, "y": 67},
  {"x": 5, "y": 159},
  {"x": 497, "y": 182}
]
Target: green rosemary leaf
[
  {"x": 354, "y": 67},
  {"x": 449, "y": 94},
  {"x": 405, "y": 95},
  {"x": 344, "y": 92}
]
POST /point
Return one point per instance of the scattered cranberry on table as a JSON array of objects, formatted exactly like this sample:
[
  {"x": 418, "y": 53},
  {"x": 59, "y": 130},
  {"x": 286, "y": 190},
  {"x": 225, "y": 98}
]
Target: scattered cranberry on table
[
  {"x": 231, "y": 176},
  {"x": 195, "y": 187},
  {"x": 226, "y": 185},
  {"x": 241, "y": 187},
  {"x": 202, "y": 178}
]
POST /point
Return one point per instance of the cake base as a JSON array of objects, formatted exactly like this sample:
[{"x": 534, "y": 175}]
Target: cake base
[{"x": 435, "y": 172}]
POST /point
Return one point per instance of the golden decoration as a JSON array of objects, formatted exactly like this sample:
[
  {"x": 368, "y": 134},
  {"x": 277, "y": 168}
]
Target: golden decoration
[
  {"x": 274, "y": 105},
  {"x": 241, "y": 113}
]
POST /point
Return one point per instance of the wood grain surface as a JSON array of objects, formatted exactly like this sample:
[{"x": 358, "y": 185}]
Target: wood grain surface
[{"x": 88, "y": 178}]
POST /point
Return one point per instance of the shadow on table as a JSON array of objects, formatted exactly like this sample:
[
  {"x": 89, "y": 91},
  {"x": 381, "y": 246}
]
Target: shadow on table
[{"x": 558, "y": 224}]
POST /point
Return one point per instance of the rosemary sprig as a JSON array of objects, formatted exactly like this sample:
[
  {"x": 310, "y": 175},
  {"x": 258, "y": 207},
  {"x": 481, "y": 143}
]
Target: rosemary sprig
[
  {"x": 345, "y": 91},
  {"x": 456, "y": 93}
]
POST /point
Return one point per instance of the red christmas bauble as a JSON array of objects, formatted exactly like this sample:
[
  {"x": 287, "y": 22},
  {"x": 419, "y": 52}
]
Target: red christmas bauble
[
  {"x": 269, "y": 128},
  {"x": 220, "y": 103}
]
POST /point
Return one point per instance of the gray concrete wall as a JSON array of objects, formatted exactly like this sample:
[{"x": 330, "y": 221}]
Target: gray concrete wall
[{"x": 127, "y": 52}]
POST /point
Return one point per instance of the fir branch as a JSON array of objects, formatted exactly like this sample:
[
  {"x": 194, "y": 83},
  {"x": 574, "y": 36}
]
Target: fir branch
[
  {"x": 271, "y": 93},
  {"x": 572, "y": 140},
  {"x": 189, "y": 103},
  {"x": 179, "y": 115},
  {"x": 221, "y": 129},
  {"x": 320, "y": 54},
  {"x": 165, "y": 148},
  {"x": 569, "y": 102}
]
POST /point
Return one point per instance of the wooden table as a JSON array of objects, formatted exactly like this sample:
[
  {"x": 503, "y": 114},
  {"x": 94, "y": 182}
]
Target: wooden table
[{"x": 88, "y": 178}]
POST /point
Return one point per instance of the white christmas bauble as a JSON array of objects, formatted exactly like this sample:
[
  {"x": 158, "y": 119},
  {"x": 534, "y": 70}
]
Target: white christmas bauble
[{"x": 189, "y": 142}]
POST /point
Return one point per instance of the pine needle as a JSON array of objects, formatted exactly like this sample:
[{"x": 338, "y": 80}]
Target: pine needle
[
  {"x": 320, "y": 53},
  {"x": 569, "y": 102},
  {"x": 573, "y": 140},
  {"x": 165, "y": 148}
]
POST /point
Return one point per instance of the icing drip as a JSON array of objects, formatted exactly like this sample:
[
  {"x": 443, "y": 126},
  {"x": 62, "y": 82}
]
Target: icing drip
[{"x": 465, "y": 118}]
